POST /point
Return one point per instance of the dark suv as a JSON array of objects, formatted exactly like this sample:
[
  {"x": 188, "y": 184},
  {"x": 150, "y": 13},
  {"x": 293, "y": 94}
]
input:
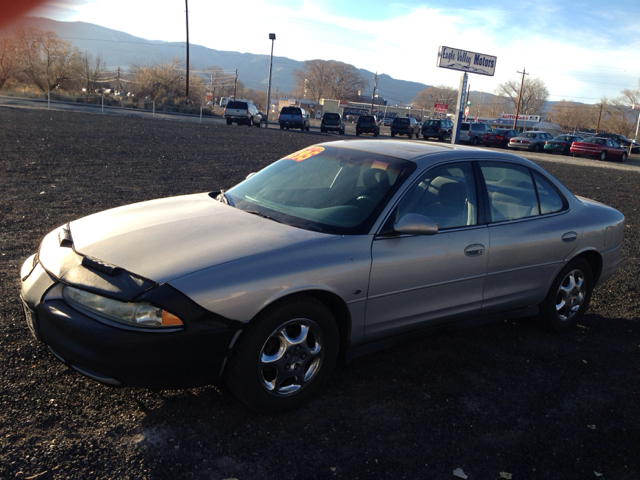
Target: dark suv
[
  {"x": 367, "y": 124},
  {"x": 332, "y": 122},
  {"x": 473, "y": 132},
  {"x": 405, "y": 126},
  {"x": 293, "y": 117},
  {"x": 440, "y": 129}
]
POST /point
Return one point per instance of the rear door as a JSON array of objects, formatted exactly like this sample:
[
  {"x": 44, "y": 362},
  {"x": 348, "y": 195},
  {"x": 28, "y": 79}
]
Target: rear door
[{"x": 530, "y": 236}]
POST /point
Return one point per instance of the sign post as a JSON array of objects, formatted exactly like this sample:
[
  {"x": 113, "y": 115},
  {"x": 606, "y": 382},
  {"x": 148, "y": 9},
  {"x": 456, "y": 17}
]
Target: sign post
[{"x": 635, "y": 106}]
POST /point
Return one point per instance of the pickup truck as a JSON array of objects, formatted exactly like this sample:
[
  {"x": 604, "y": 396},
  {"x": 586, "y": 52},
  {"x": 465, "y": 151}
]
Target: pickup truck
[
  {"x": 294, "y": 117},
  {"x": 242, "y": 113}
]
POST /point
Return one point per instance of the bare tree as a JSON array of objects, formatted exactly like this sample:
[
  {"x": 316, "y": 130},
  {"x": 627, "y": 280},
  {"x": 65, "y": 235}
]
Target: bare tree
[
  {"x": 46, "y": 61},
  {"x": 9, "y": 60},
  {"x": 219, "y": 82},
  {"x": 89, "y": 71},
  {"x": 328, "y": 79},
  {"x": 161, "y": 81},
  {"x": 534, "y": 94},
  {"x": 441, "y": 94},
  {"x": 572, "y": 116}
]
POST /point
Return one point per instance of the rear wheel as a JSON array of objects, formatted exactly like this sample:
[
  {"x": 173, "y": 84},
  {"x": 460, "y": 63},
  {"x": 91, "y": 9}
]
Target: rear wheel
[
  {"x": 623, "y": 158},
  {"x": 603, "y": 155},
  {"x": 536, "y": 147},
  {"x": 285, "y": 356},
  {"x": 569, "y": 296},
  {"x": 475, "y": 141},
  {"x": 281, "y": 127},
  {"x": 228, "y": 122},
  {"x": 393, "y": 134}
]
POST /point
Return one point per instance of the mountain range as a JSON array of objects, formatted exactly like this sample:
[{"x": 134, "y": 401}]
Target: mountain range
[{"x": 119, "y": 49}]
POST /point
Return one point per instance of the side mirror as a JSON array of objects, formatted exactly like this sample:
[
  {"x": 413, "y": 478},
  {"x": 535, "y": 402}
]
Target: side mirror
[{"x": 415, "y": 224}]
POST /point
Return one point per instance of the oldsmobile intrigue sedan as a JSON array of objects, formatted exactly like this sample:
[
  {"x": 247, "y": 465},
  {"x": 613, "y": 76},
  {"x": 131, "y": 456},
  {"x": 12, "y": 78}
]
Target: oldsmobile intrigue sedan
[{"x": 328, "y": 253}]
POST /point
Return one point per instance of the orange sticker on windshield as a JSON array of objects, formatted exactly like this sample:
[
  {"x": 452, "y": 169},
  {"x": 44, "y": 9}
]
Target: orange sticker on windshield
[{"x": 305, "y": 153}]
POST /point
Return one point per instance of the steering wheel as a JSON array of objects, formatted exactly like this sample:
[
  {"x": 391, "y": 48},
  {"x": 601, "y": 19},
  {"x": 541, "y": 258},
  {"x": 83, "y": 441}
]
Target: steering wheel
[{"x": 363, "y": 199}]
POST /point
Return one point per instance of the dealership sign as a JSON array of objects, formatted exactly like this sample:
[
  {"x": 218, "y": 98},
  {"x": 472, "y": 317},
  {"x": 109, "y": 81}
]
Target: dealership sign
[
  {"x": 464, "y": 61},
  {"x": 440, "y": 107},
  {"x": 526, "y": 118}
]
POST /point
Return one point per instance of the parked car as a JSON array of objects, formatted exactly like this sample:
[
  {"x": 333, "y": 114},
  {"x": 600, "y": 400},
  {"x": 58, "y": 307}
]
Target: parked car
[
  {"x": 622, "y": 140},
  {"x": 331, "y": 252},
  {"x": 601, "y": 148},
  {"x": 499, "y": 137},
  {"x": 561, "y": 143},
  {"x": 387, "y": 122},
  {"x": 532, "y": 140},
  {"x": 405, "y": 126},
  {"x": 294, "y": 117},
  {"x": 332, "y": 122},
  {"x": 242, "y": 113},
  {"x": 473, "y": 132},
  {"x": 367, "y": 124},
  {"x": 440, "y": 129}
]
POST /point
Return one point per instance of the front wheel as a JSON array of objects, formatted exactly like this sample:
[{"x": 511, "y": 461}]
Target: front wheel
[
  {"x": 475, "y": 141},
  {"x": 285, "y": 356},
  {"x": 623, "y": 158},
  {"x": 569, "y": 296},
  {"x": 603, "y": 155}
]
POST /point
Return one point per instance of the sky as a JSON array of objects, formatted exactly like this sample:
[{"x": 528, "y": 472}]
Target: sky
[{"x": 581, "y": 49}]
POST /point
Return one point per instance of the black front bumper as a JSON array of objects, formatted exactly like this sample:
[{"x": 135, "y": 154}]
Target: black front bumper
[{"x": 184, "y": 357}]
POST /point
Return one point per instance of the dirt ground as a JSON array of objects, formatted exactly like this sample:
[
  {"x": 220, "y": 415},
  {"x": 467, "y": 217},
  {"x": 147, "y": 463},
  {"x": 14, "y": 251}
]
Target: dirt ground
[{"x": 507, "y": 400}]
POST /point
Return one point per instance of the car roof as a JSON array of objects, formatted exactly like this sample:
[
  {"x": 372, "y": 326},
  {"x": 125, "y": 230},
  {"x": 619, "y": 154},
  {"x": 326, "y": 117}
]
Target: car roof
[{"x": 422, "y": 153}]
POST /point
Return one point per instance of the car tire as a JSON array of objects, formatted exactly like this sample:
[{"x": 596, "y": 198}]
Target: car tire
[
  {"x": 229, "y": 122},
  {"x": 536, "y": 147},
  {"x": 285, "y": 356},
  {"x": 603, "y": 156},
  {"x": 410, "y": 136},
  {"x": 569, "y": 296},
  {"x": 341, "y": 132},
  {"x": 393, "y": 134},
  {"x": 357, "y": 133},
  {"x": 475, "y": 141},
  {"x": 281, "y": 127},
  {"x": 623, "y": 158},
  {"x": 250, "y": 122}
]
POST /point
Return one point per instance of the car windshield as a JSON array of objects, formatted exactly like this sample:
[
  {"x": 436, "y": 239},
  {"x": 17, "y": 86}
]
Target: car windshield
[
  {"x": 291, "y": 111},
  {"x": 528, "y": 135},
  {"x": 323, "y": 188},
  {"x": 432, "y": 123}
]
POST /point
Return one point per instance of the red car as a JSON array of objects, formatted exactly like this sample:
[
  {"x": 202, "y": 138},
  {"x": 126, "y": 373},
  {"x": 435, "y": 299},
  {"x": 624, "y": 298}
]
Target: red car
[
  {"x": 499, "y": 137},
  {"x": 601, "y": 148}
]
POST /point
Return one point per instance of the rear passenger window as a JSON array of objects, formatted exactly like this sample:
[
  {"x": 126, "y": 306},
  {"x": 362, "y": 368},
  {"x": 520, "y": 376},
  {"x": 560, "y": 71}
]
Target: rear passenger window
[
  {"x": 550, "y": 200},
  {"x": 512, "y": 194}
]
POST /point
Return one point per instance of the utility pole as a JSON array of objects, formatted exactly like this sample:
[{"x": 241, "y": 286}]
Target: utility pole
[
  {"x": 515, "y": 121},
  {"x": 599, "y": 117},
  {"x": 373, "y": 93},
  {"x": 235, "y": 85},
  {"x": 186, "y": 4}
]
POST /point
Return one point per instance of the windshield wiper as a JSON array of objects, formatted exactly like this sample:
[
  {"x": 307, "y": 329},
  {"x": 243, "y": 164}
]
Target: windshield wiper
[{"x": 260, "y": 214}]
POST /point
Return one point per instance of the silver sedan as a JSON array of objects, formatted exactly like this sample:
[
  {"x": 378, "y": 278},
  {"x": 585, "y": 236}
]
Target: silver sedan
[{"x": 328, "y": 253}]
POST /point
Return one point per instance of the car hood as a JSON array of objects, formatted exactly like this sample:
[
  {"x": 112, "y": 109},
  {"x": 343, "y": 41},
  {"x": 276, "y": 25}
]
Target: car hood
[{"x": 167, "y": 238}]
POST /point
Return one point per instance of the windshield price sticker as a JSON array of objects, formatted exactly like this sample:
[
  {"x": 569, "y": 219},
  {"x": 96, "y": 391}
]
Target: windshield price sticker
[{"x": 305, "y": 153}]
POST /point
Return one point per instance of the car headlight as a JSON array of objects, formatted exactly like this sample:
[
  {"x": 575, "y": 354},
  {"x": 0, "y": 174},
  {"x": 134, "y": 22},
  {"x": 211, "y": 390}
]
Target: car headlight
[{"x": 128, "y": 313}]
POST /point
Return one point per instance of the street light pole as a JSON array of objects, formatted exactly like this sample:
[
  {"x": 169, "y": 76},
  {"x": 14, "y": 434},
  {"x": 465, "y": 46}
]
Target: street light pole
[{"x": 272, "y": 37}]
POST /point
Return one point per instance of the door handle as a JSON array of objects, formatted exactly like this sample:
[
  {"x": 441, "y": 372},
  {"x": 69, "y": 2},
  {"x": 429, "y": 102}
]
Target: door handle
[
  {"x": 474, "y": 250},
  {"x": 570, "y": 237}
]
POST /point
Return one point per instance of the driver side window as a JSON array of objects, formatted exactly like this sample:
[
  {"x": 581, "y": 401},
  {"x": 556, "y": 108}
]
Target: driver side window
[{"x": 446, "y": 194}]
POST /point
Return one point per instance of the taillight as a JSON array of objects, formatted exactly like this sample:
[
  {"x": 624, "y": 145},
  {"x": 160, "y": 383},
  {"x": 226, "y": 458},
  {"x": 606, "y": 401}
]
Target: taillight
[{"x": 499, "y": 137}]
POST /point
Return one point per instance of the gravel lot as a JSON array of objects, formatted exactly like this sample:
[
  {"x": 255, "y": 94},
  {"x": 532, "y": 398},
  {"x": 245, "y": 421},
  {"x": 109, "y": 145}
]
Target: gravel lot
[{"x": 499, "y": 400}]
